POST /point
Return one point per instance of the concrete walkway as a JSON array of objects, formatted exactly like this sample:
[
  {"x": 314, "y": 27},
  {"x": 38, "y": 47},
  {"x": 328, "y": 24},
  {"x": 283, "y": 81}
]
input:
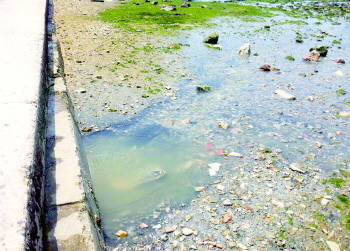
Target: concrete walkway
[{"x": 22, "y": 29}]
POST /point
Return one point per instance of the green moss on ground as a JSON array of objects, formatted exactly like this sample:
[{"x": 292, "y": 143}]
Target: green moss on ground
[{"x": 146, "y": 17}]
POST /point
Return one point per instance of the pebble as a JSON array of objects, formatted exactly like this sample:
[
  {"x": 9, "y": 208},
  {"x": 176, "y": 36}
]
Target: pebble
[
  {"x": 295, "y": 167},
  {"x": 187, "y": 231},
  {"x": 143, "y": 225},
  {"x": 121, "y": 233},
  {"x": 285, "y": 94},
  {"x": 227, "y": 202},
  {"x": 339, "y": 74},
  {"x": 277, "y": 203},
  {"x": 333, "y": 246}
]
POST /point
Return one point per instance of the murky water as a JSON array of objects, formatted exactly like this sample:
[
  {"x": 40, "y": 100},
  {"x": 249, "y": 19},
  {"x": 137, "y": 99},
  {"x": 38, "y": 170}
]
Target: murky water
[{"x": 162, "y": 154}]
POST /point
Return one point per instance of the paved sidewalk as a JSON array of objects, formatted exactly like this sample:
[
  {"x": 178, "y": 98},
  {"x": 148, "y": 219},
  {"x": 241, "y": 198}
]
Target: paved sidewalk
[{"x": 22, "y": 29}]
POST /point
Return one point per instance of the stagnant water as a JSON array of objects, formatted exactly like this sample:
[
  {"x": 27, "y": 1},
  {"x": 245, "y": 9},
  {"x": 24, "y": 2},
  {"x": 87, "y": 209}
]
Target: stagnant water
[{"x": 155, "y": 160}]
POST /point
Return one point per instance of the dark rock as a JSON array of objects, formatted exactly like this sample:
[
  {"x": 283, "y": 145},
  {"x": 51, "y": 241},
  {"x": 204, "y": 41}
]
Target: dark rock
[
  {"x": 339, "y": 60},
  {"x": 265, "y": 67},
  {"x": 155, "y": 3},
  {"x": 323, "y": 50},
  {"x": 212, "y": 38},
  {"x": 203, "y": 88},
  {"x": 185, "y": 5}
]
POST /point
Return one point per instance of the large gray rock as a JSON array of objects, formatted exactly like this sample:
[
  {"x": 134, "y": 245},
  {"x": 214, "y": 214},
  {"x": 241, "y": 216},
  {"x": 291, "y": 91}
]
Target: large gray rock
[
  {"x": 212, "y": 38},
  {"x": 244, "y": 50}
]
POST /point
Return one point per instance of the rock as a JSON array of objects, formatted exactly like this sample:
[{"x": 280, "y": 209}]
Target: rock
[
  {"x": 86, "y": 129},
  {"x": 81, "y": 91},
  {"x": 199, "y": 189},
  {"x": 240, "y": 245},
  {"x": 155, "y": 3},
  {"x": 219, "y": 246},
  {"x": 101, "y": 1},
  {"x": 344, "y": 114},
  {"x": 212, "y": 38},
  {"x": 168, "y": 230},
  {"x": 187, "y": 231},
  {"x": 244, "y": 50},
  {"x": 232, "y": 244},
  {"x": 265, "y": 67},
  {"x": 227, "y": 202},
  {"x": 167, "y": 8},
  {"x": 333, "y": 246},
  {"x": 214, "y": 168},
  {"x": 285, "y": 94},
  {"x": 121, "y": 233},
  {"x": 143, "y": 225},
  {"x": 203, "y": 88},
  {"x": 295, "y": 167},
  {"x": 277, "y": 203},
  {"x": 204, "y": 6},
  {"x": 220, "y": 187},
  {"x": 312, "y": 56},
  {"x": 215, "y": 221},
  {"x": 339, "y": 74},
  {"x": 234, "y": 154},
  {"x": 226, "y": 218},
  {"x": 339, "y": 60},
  {"x": 324, "y": 201},
  {"x": 223, "y": 125},
  {"x": 185, "y": 5},
  {"x": 323, "y": 50}
]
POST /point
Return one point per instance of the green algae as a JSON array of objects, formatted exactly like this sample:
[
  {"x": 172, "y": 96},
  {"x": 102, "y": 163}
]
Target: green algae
[{"x": 133, "y": 16}]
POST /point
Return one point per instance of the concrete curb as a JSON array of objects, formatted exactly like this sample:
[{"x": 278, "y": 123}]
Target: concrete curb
[{"x": 72, "y": 217}]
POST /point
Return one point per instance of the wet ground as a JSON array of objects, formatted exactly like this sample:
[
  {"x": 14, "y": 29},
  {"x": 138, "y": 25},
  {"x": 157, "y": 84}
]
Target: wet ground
[{"x": 271, "y": 153}]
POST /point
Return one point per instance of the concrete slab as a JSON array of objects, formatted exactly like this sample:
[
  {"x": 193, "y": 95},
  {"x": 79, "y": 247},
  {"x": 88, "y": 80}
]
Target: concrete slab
[{"x": 21, "y": 48}]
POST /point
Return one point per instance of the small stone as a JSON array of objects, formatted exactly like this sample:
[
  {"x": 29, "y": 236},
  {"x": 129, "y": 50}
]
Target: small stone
[
  {"x": 312, "y": 56},
  {"x": 220, "y": 187},
  {"x": 185, "y": 5},
  {"x": 333, "y": 246},
  {"x": 295, "y": 167},
  {"x": 240, "y": 245},
  {"x": 219, "y": 246},
  {"x": 199, "y": 189},
  {"x": 204, "y": 6},
  {"x": 269, "y": 219},
  {"x": 238, "y": 155},
  {"x": 339, "y": 60},
  {"x": 293, "y": 230},
  {"x": 227, "y": 202},
  {"x": 244, "y": 50},
  {"x": 324, "y": 201},
  {"x": 299, "y": 179},
  {"x": 186, "y": 121},
  {"x": 168, "y": 230},
  {"x": 344, "y": 114},
  {"x": 121, "y": 233},
  {"x": 277, "y": 203},
  {"x": 270, "y": 235},
  {"x": 143, "y": 225},
  {"x": 265, "y": 67},
  {"x": 339, "y": 74},
  {"x": 203, "y": 88},
  {"x": 215, "y": 221},
  {"x": 212, "y": 38},
  {"x": 223, "y": 125},
  {"x": 86, "y": 129},
  {"x": 158, "y": 226},
  {"x": 187, "y": 231},
  {"x": 232, "y": 244},
  {"x": 226, "y": 218},
  {"x": 285, "y": 94},
  {"x": 81, "y": 91}
]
